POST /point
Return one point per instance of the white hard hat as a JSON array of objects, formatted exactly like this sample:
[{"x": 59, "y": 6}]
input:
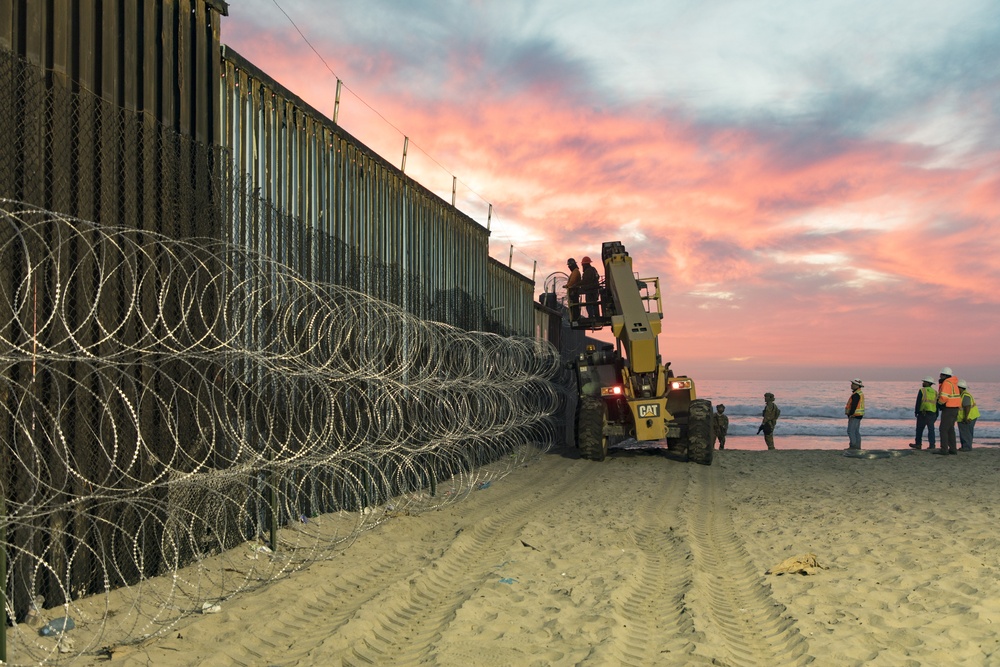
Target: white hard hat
[
  {"x": 963, "y": 384},
  {"x": 857, "y": 382},
  {"x": 929, "y": 380},
  {"x": 946, "y": 370}
]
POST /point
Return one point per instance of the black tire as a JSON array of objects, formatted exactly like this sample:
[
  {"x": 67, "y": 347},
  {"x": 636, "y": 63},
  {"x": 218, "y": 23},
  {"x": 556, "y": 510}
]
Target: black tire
[
  {"x": 576, "y": 423},
  {"x": 677, "y": 446},
  {"x": 701, "y": 432},
  {"x": 590, "y": 429}
]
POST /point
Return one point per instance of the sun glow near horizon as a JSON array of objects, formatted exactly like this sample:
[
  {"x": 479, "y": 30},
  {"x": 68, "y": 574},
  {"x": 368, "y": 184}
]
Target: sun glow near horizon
[{"x": 797, "y": 209}]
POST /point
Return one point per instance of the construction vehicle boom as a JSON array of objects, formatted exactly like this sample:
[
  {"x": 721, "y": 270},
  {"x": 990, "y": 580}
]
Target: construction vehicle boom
[{"x": 625, "y": 390}]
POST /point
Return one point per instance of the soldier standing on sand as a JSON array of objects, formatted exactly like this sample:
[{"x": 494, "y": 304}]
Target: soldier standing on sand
[
  {"x": 721, "y": 424},
  {"x": 770, "y": 414}
]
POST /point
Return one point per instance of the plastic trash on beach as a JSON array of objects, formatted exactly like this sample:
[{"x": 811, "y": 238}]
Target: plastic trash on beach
[
  {"x": 35, "y": 618},
  {"x": 66, "y": 644},
  {"x": 256, "y": 550},
  {"x": 57, "y": 626},
  {"x": 209, "y": 608},
  {"x": 804, "y": 564},
  {"x": 866, "y": 454}
]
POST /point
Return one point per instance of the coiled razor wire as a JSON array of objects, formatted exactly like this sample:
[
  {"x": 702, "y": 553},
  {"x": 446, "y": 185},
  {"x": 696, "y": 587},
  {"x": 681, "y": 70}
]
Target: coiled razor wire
[{"x": 186, "y": 420}]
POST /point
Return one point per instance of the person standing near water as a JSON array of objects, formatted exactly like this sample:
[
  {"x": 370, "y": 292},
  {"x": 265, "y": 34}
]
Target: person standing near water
[
  {"x": 721, "y": 424},
  {"x": 855, "y": 411},
  {"x": 770, "y": 414},
  {"x": 968, "y": 413},
  {"x": 950, "y": 401},
  {"x": 925, "y": 411}
]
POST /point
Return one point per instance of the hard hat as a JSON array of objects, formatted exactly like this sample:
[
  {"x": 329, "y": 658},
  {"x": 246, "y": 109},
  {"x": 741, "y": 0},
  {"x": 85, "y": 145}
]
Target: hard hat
[
  {"x": 929, "y": 380},
  {"x": 946, "y": 371},
  {"x": 963, "y": 384},
  {"x": 571, "y": 261},
  {"x": 857, "y": 382},
  {"x": 585, "y": 260}
]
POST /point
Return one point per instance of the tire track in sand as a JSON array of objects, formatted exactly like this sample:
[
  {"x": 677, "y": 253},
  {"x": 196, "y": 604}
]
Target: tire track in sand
[
  {"x": 655, "y": 626},
  {"x": 282, "y": 635},
  {"x": 741, "y": 619},
  {"x": 401, "y": 625},
  {"x": 338, "y": 601}
]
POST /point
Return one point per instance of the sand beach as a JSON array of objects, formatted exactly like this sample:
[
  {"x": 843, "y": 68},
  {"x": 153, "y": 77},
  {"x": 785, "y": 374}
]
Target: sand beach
[{"x": 643, "y": 560}]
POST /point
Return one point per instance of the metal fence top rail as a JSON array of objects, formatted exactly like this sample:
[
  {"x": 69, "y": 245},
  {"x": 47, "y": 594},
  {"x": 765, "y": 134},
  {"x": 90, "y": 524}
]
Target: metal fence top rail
[{"x": 240, "y": 62}]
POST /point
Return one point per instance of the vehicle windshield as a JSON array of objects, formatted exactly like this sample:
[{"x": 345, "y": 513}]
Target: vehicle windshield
[{"x": 594, "y": 377}]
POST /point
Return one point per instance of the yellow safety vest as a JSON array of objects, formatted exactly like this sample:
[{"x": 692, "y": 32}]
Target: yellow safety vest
[
  {"x": 973, "y": 410},
  {"x": 929, "y": 401},
  {"x": 858, "y": 411}
]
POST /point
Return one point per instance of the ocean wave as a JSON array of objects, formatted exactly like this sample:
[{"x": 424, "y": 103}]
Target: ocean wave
[
  {"x": 837, "y": 412},
  {"x": 831, "y": 427},
  {"x": 816, "y": 409}
]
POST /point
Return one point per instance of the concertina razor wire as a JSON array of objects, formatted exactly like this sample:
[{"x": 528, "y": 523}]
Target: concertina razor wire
[{"x": 172, "y": 410}]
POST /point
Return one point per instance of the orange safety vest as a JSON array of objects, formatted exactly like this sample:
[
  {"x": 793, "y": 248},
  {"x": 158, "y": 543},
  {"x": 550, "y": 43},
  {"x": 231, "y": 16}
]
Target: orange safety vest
[
  {"x": 858, "y": 411},
  {"x": 948, "y": 394}
]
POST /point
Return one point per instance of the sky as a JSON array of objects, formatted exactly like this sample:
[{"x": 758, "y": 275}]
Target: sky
[{"x": 816, "y": 184}]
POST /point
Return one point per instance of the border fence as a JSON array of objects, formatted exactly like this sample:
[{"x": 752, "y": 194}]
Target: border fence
[
  {"x": 222, "y": 317},
  {"x": 339, "y": 201}
]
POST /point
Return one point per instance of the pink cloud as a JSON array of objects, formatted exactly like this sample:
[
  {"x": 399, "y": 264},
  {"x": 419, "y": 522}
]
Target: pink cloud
[{"x": 771, "y": 246}]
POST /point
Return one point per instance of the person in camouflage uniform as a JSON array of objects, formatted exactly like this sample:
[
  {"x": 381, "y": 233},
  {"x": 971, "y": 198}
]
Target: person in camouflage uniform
[
  {"x": 771, "y": 414},
  {"x": 721, "y": 424}
]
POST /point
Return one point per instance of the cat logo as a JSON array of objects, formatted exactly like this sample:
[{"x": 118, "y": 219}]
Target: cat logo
[{"x": 649, "y": 410}]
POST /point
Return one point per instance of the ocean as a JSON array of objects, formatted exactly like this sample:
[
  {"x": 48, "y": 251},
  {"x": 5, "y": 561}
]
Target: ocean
[{"x": 812, "y": 413}]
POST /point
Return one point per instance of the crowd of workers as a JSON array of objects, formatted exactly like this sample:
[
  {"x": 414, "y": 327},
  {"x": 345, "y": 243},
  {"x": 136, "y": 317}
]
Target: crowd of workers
[
  {"x": 952, "y": 400},
  {"x": 956, "y": 405}
]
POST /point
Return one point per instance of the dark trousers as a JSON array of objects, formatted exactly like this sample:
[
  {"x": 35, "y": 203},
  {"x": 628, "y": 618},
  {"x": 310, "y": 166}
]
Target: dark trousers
[
  {"x": 949, "y": 416},
  {"x": 593, "y": 297},
  {"x": 965, "y": 432},
  {"x": 574, "y": 297},
  {"x": 926, "y": 420}
]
